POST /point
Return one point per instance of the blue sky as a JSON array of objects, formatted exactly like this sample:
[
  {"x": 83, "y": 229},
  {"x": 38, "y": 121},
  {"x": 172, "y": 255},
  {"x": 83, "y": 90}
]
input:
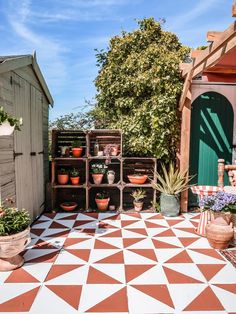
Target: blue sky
[{"x": 65, "y": 33}]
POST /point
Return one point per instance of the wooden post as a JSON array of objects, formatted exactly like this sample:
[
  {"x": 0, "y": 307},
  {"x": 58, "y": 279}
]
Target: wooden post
[
  {"x": 185, "y": 147},
  {"x": 221, "y": 168}
]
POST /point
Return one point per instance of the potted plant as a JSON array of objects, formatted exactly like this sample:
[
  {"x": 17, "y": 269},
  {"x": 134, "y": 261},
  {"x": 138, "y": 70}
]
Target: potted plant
[
  {"x": 8, "y": 123},
  {"x": 102, "y": 200},
  {"x": 98, "y": 170},
  {"x": 63, "y": 176},
  {"x": 74, "y": 176},
  {"x": 77, "y": 149},
  {"x": 68, "y": 206},
  {"x": 138, "y": 196},
  {"x": 171, "y": 183},
  {"x": 14, "y": 236},
  {"x": 137, "y": 178},
  {"x": 219, "y": 231}
]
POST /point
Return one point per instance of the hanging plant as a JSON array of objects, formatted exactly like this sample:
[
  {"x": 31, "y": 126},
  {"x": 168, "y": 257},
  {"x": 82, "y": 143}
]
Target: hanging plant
[{"x": 8, "y": 123}]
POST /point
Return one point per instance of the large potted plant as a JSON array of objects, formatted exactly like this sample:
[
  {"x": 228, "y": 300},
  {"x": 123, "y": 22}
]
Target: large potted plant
[
  {"x": 98, "y": 170},
  {"x": 8, "y": 123},
  {"x": 219, "y": 231},
  {"x": 14, "y": 236},
  {"x": 102, "y": 200},
  {"x": 138, "y": 196},
  {"x": 170, "y": 183},
  {"x": 77, "y": 149}
]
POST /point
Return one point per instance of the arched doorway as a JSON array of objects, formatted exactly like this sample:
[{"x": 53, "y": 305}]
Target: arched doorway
[{"x": 211, "y": 138}]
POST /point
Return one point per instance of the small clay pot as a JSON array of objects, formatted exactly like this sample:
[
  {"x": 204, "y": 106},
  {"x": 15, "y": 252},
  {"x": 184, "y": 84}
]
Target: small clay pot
[
  {"x": 138, "y": 206},
  {"x": 74, "y": 180},
  {"x": 135, "y": 179},
  {"x": 77, "y": 152},
  {"x": 68, "y": 206},
  {"x": 97, "y": 178},
  {"x": 102, "y": 204},
  {"x": 63, "y": 178}
]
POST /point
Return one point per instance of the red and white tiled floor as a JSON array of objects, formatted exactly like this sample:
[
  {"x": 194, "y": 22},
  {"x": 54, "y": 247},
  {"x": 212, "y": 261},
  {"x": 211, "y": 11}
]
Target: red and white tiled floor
[{"x": 127, "y": 263}]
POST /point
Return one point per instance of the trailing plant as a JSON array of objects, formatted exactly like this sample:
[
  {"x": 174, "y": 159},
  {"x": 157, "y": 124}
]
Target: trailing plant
[
  {"x": 13, "y": 220},
  {"x": 74, "y": 172},
  {"x": 98, "y": 168},
  {"x": 138, "y": 195},
  {"x": 172, "y": 181},
  {"x": 77, "y": 144},
  {"x": 4, "y": 116},
  {"x": 102, "y": 195}
]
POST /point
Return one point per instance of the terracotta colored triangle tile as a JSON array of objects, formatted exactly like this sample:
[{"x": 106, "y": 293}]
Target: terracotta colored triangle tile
[
  {"x": 117, "y": 302},
  {"x": 104, "y": 225},
  {"x": 93, "y": 215},
  {"x": 182, "y": 257},
  {"x": 115, "y": 217},
  {"x": 21, "y": 303},
  {"x": 209, "y": 252},
  {"x": 69, "y": 293},
  {"x": 43, "y": 245},
  {"x": 117, "y": 258},
  {"x": 158, "y": 292},
  {"x": 37, "y": 222},
  {"x": 163, "y": 245},
  {"x": 130, "y": 241},
  {"x": 103, "y": 245},
  {"x": 190, "y": 230},
  {"x": 166, "y": 233},
  {"x": 36, "y": 231},
  {"x": 20, "y": 276},
  {"x": 115, "y": 234},
  {"x": 64, "y": 233},
  {"x": 57, "y": 225},
  {"x": 157, "y": 216},
  {"x": 195, "y": 223},
  {"x": 47, "y": 258},
  {"x": 150, "y": 224},
  {"x": 175, "y": 277},
  {"x": 79, "y": 223},
  {"x": 134, "y": 271},
  {"x": 125, "y": 223},
  {"x": 197, "y": 216},
  {"x": 69, "y": 217},
  {"x": 139, "y": 231},
  {"x": 173, "y": 222},
  {"x": 205, "y": 301},
  {"x": 148, "y": 253},
  {"x": 210, "y": 270},
  {"x": 95, "y": 276},
  {"x": 228, "y": 287},
  {"x": 90, "y": 232},
  {"x": 80, "y": 253},
  {"x": 72, "y": 241},
  {"x": 58, "y": 270},
  {"x": 49, "y": 215},
  {"x": 135, "y": 215},
  {"x": 187, "y": 241}
]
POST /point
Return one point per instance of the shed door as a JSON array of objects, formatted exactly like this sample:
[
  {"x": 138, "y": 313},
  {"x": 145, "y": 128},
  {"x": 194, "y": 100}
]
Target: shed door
[{"x": 211, "y": 137}]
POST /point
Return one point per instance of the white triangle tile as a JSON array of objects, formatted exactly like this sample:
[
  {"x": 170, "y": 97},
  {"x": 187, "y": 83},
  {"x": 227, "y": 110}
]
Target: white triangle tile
[
  {"x": 154, "y": 231},
  {"x": 116, "y": 271},
  {"x": 132, "y": 258},
  {"x": 38, "y": 270},
  {"x": 48, "y": 302},
  {"x": 165, "y": 254},
  {"x": 143, "y": 244},
  {"x": 146, "y": 216},
  {"x": 131, "y": 234},
  {"x": 184, "y": 294},
  {"x": 67, "y": 258},
  {"x": 85, "y": 217},
  {"x": 190, "y": 270},
  {"x": 118, "y": 242},
  {"x": 128, "y": 217},
  {"x": 64, "y": 215},
  {"x": 77, "y": 276},
  {"x": 97, "y": 255},
  {"x": 161, "y": 222},
  {"x": 201, "y": 243},
  {"x": 56, "y": 242},
  {"x": 199, "y": 258},
  {"x": 142, "y": 303},
  {"x": 31, "y": 254},
  {"x": 4, "y": 275},
  {"x": 226, "y": 298},
  {"x": 94, "y": 294},
  {"x": 184, "y": 224},
  {"x": 10, "y": 291},
  {"x": 137, "y": 224},
  {"x": 43, "y": 225},
  {"x": 87, "y": 244},
  {"x": 114, "y": 223},
  {"x": 190, "y": 215},
  {"x": 184, "y": 234},
  {"x": 153, "y": 276},
  {"x": 201, "y": 312},
  {"x": 226, "y": 275},
  {"x": 102, "y": 216},
  {"x": 51, "y": 232},
  {"x": 76, "y": 233},
  {"x": 170, "y": 240}
]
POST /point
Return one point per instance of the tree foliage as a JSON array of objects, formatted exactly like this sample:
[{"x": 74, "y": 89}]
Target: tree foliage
[
  {"x": 72, "y": 120},
  {"x": 138, "y": 86}
]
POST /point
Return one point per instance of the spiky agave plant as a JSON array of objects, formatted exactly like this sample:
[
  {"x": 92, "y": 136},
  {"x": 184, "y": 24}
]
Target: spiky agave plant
[{"x": 172, "y": 181}]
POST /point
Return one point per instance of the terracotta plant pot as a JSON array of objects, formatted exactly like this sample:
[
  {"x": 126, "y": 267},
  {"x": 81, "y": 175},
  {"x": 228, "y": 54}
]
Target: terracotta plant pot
[
  {"x": 138, "y": 206},
  {"x": 219, "y": 233},
  {"x": 10, "y": 247},
  {"x": 135, "y": 179},
  {"x": 62, "y": 178},
  {"x": 6, "y": 129},
  {"x": 68, "y": 206},
  {"x": 77, "y": 152},
  {"x": 97, "y": 178},
  {"x": 102, "y": 204},
  {"x": 74, "y": 180}
]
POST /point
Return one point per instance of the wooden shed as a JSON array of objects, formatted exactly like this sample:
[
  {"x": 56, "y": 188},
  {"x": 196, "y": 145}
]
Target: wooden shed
[
  {"x": 24, "y": 167},
  {"x": 208, "y": 108}
]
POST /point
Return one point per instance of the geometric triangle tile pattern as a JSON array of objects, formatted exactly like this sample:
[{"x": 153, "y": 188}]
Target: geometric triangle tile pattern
[{"x": 119, "y": 263}]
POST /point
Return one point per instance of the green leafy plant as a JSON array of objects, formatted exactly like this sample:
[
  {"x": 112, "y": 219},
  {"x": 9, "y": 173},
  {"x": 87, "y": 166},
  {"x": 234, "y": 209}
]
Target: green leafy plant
[
  {"x": 77, "y": 144},
  {"x": 172, "y": 181},
  {"x": 4, "y": 116},
  {"x": 138, "y": 195},
  {"x": 74, "y": 172},
  {"x": 98, "y": 168},
  {"x": 102, "y": 195},
  {"x": 13, "y": 220},
  {"x": 63, "y": 171}
]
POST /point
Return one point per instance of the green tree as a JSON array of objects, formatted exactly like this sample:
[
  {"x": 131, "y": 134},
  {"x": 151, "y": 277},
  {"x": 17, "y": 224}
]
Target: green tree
[{"x": 138, "y": 86}]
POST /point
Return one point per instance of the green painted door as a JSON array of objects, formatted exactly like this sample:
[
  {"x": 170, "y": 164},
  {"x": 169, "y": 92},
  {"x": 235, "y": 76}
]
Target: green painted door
[{"x": 211, "y": 138}]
